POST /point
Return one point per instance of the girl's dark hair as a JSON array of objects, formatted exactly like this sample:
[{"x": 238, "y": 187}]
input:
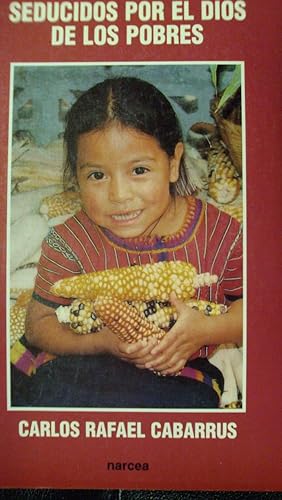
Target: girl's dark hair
[{"x": 133, "y": 103}]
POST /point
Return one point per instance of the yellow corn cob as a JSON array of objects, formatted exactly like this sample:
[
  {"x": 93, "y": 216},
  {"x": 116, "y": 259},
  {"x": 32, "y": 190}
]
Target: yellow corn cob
[
  {"x": 223, "y": 188},
  {"x": 125, "y": 321},
  {"x": 139, "y": 283},
  {"x": 24, "y": 297},
  {"x": 63, "y": 203},
  {"x": 17, "y": 323},
  {"x": 15, "y": 293},
  {"x": 224, "y": 184},
  {"x": 218, "y": 155},
  {"x": 234, "y": 211}
]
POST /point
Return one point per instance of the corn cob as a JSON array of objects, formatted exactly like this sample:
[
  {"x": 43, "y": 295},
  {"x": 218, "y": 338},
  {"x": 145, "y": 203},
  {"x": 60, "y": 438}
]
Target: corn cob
[
  {"x": 24, "y": 297},
  {"x": 17, "y": 323},
  {"x": 222, "y": 187},
  {"x": 218, "y": 155},
  {"x": 224, "y": 183},
  {"x": 208, "y": 308},
  {"x": 234, "y": 211},
  {"x": 125, "y": 321},
  {"x": 136, "y": 283},
  {"x": 83, "y": 316},
  {"x": 67, "y": 202},
  {"x": 164, "y": 315},
  {"x": 159, "y": 313}
]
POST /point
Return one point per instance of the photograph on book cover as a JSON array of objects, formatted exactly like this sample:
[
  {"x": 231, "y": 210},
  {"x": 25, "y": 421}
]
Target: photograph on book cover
[
  {"x": 183, "y": 80},
  {"x": 126, "y": 207}
]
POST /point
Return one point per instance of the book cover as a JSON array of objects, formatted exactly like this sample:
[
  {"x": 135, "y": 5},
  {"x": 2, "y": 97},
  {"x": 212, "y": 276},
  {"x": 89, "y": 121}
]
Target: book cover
[{"x": 204, "y": 56}]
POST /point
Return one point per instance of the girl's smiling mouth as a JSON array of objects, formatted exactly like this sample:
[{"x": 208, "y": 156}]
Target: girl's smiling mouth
[{"x": 126, "y": 216}]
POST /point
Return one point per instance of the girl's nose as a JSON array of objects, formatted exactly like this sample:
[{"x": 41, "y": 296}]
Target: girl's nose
[{"x": 119, "y": 190}]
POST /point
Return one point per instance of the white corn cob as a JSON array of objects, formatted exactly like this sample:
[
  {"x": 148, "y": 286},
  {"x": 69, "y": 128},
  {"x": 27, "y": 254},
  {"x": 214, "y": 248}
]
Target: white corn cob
[
  {"x": 83, "y": 316},
  {"x": 164, "y": 315},
  {"x": 136, "y": 283},
  {"x": 207, "y": 307},
  {"x": 161, "y": 314}
]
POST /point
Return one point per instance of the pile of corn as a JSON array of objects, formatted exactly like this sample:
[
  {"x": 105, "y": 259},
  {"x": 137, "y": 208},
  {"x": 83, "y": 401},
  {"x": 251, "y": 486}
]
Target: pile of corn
[
  {"x": 133, "y": 301},
  {"x": 136, "y": 283},
  {"x": 224, "y": 182}
]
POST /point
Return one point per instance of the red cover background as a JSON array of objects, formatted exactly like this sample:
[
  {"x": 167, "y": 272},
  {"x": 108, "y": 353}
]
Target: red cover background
[{"x": 252, "y": 460}]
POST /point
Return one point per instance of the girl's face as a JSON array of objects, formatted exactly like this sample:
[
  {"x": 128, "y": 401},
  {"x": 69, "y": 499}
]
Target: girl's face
[{"x": 124, "y": 179}]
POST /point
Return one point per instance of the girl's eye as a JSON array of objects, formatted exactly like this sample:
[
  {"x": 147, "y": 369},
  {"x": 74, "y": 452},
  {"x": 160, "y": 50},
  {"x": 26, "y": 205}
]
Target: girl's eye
[
  {"x": 97, "y": 176},
  {"x": 140, "y": 170}
]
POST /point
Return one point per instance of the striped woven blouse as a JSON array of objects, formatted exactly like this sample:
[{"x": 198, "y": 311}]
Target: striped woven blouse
[{"x": 209, "y": 238}]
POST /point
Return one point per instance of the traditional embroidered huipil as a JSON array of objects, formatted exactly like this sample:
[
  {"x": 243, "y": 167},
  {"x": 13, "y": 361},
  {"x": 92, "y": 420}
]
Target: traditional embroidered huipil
[{"x": 210, "y": 239}]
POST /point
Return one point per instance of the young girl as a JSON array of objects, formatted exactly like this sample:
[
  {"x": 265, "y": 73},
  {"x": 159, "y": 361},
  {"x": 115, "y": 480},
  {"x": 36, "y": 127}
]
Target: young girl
[{"x": 125, "y": 151}]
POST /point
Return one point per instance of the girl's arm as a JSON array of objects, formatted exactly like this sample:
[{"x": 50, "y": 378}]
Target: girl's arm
[
  {"x": 44, "y": 331},
  {"x": 192, "y": 331}
]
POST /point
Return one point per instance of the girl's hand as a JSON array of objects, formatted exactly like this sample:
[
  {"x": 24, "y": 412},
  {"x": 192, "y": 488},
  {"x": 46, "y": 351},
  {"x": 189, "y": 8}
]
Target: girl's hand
[
  {"x": 192, "y": 331},
  {"x": 138, "y": 353},
  {"x": 180, "y": 343}
]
